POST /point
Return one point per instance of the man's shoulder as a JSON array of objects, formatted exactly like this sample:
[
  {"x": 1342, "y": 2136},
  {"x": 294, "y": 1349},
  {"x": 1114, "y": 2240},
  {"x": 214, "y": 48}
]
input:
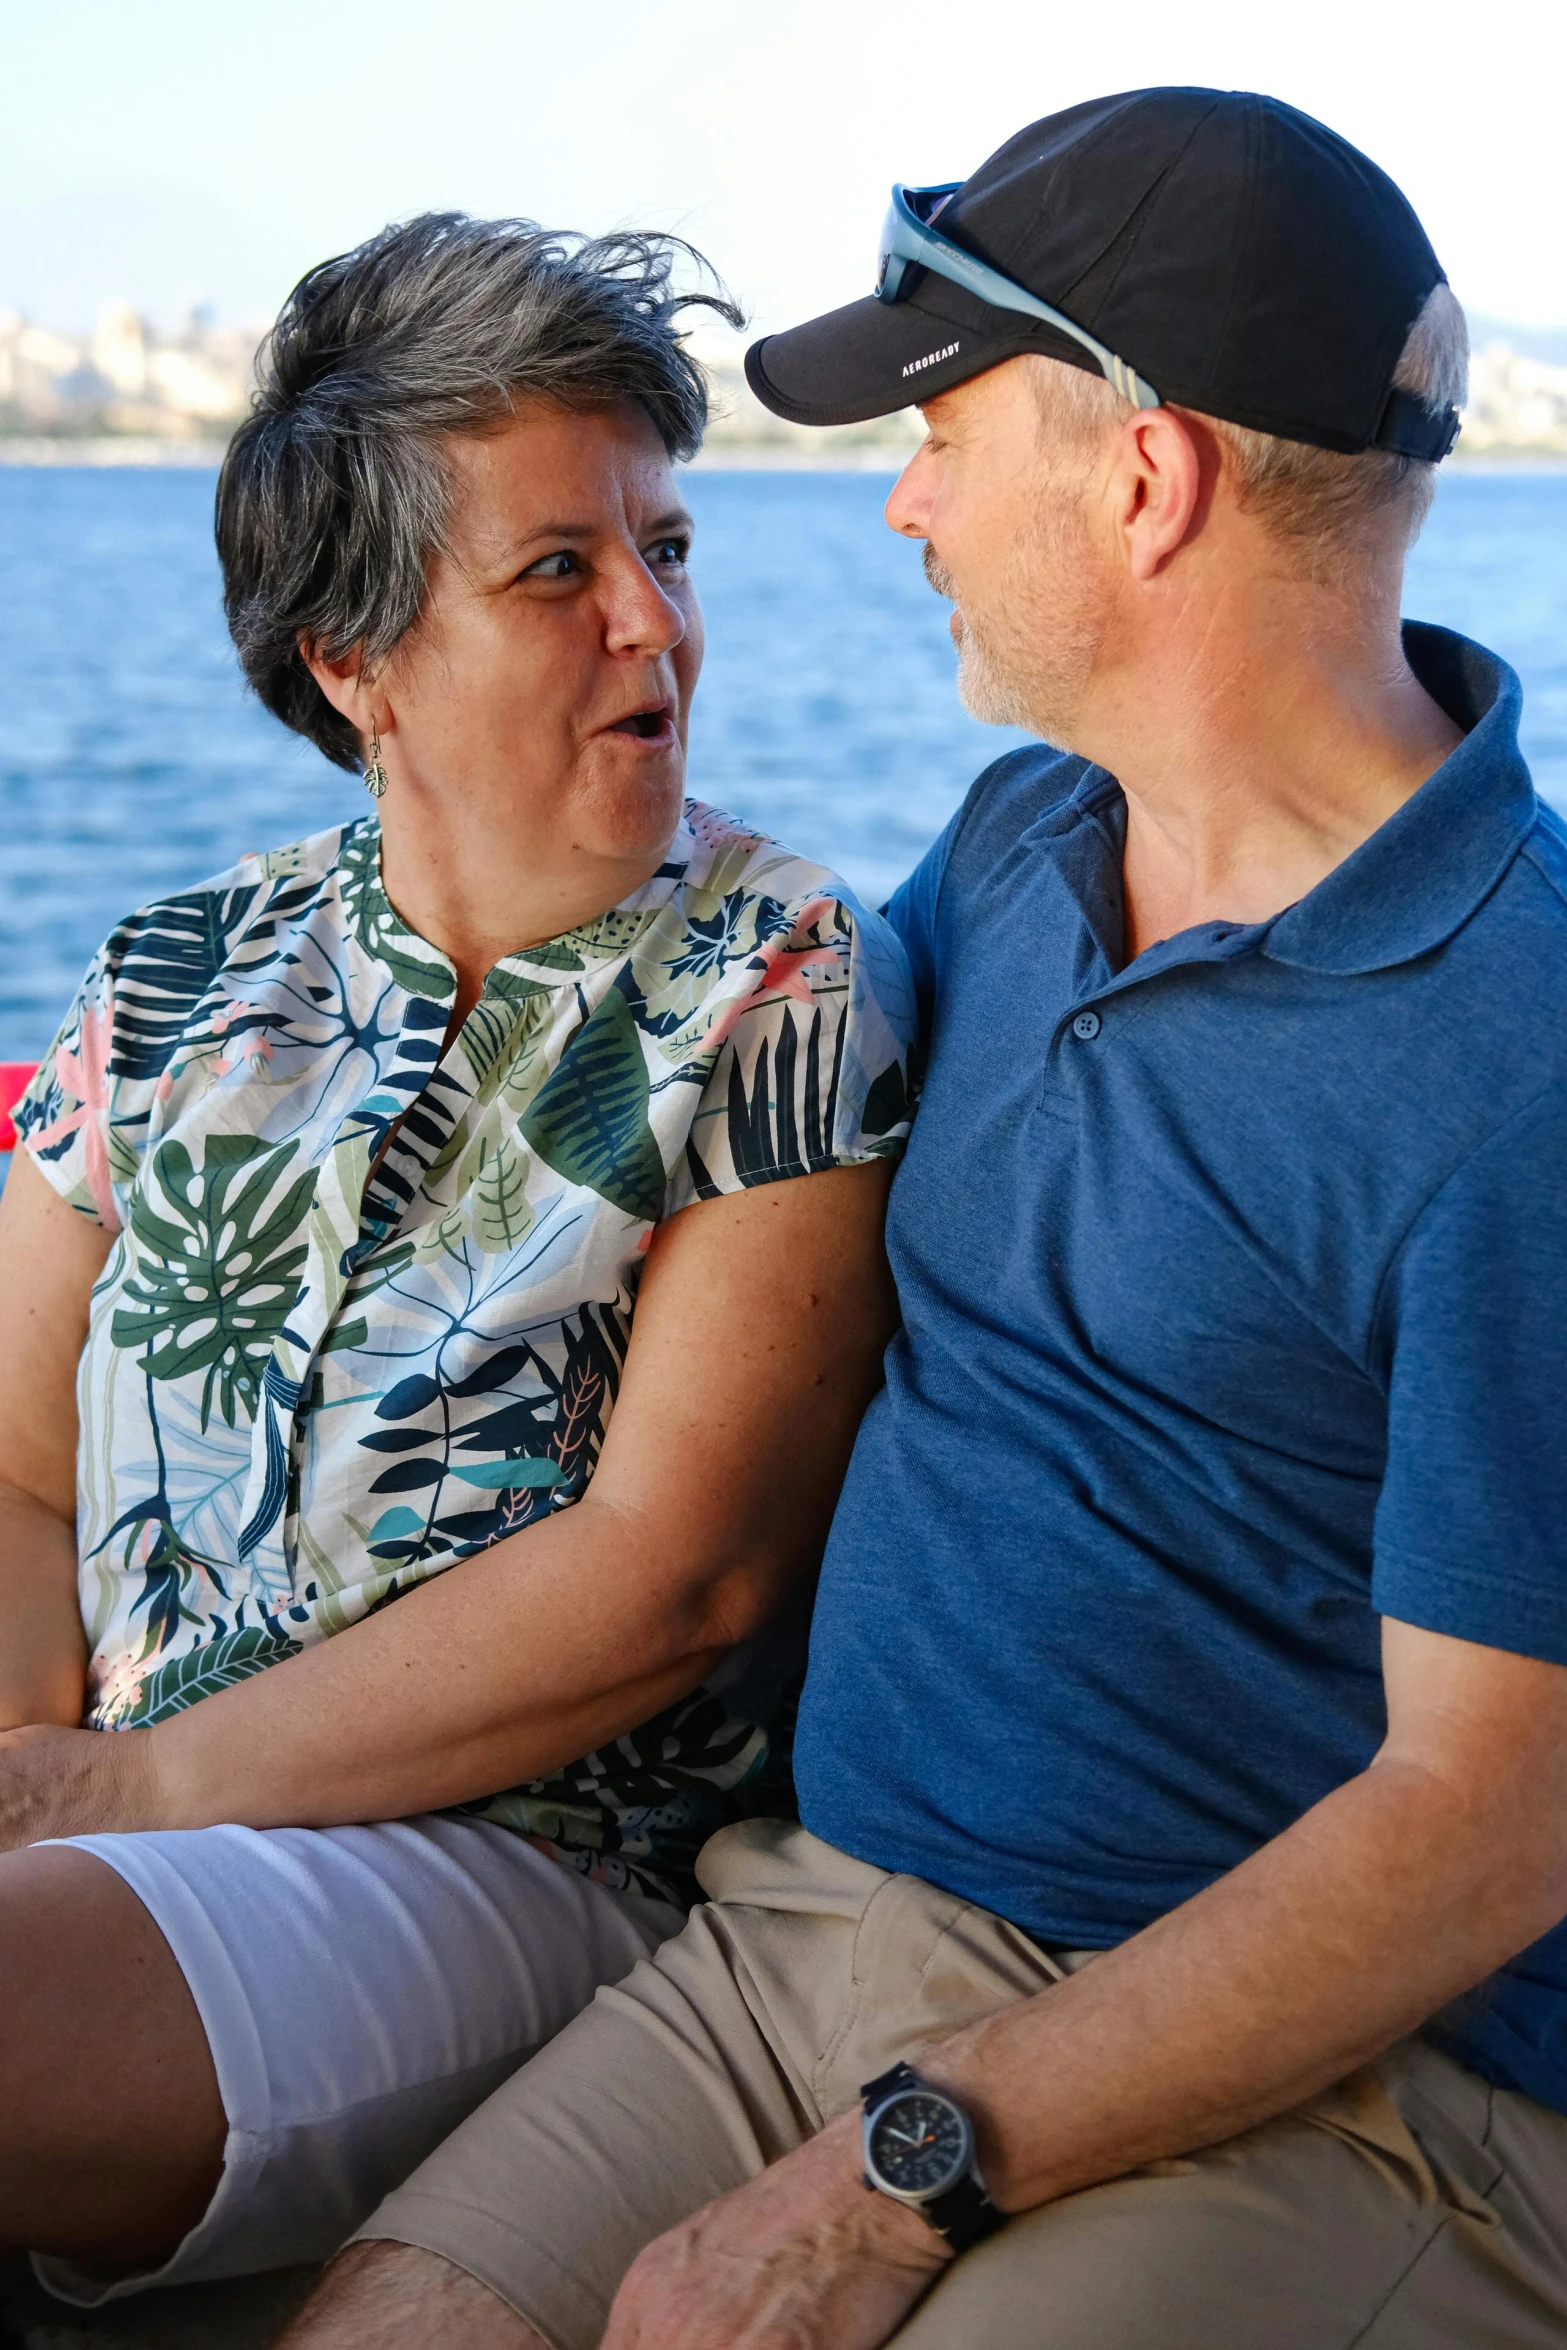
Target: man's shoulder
[
  {"x": 1543, "y": 857},
  {"x": 1002, "y": 804},
  {"x": 1013, "y": 793},
  {"x": 1007, "y": 800},
  {"x": 1518, "y": 934}
]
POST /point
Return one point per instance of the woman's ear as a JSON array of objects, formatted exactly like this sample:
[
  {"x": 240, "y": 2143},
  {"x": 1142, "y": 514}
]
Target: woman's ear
[{"x": 346, "y": 687}]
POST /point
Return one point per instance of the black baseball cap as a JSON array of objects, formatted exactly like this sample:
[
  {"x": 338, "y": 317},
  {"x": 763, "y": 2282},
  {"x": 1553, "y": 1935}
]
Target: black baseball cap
[{"x": 1243, "y": 259}]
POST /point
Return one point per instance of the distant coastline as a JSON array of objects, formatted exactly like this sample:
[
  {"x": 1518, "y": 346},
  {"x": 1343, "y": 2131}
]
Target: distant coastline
[
  {"x": 126, "y": 394},
  {"x": 124, "y": 448},
  {"x": 60, "y": 451}
]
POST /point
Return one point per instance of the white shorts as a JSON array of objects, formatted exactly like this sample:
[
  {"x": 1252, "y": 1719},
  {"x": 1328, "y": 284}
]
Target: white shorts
[{"x": 362, "y": 1990}]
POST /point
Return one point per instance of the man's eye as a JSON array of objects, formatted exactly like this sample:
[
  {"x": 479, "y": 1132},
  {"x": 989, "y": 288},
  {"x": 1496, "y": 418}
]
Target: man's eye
[
  {"x": 563, "y": 565},
  {"x": 671, "y": 553}
]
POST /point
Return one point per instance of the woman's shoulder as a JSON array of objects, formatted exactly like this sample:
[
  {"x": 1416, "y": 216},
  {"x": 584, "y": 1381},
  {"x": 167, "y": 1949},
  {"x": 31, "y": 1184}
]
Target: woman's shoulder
[
  {"x": 737, "y": 883},
  {"x": 157, "y": 981},
  {"x": 223, "y": 906},
  {"x": 769, "y": 985},
  {"x": 714, "y": 852}
]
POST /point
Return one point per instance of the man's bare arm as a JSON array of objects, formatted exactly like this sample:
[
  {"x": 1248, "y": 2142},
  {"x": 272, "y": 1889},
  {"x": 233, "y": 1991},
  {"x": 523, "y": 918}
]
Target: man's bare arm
[{"x": 1405, "y": 1887}]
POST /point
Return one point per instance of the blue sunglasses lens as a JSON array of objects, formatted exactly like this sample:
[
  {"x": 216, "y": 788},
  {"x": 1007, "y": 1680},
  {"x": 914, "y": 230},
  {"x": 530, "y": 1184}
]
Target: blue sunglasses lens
[
  {"x": 928, "y": 204},
  {"x": 921, "y": 205}
]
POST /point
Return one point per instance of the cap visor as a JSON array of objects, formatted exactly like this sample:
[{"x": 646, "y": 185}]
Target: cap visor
[{"x": 873, "y": 358}]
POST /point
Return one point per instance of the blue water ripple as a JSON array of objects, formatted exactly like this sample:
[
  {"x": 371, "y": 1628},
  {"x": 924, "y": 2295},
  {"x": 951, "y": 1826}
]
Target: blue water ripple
[{"x": 133, "y": 762}]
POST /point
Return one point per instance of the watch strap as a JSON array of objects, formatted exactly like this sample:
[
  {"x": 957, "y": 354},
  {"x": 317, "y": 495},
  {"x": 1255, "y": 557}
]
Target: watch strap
[
  {"x": 887, "y": 2084},
  {"x": 965, "y": 2214}
]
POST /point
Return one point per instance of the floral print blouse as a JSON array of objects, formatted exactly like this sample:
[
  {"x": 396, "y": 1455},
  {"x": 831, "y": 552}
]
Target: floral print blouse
[{"x": 316, "y": 1375}]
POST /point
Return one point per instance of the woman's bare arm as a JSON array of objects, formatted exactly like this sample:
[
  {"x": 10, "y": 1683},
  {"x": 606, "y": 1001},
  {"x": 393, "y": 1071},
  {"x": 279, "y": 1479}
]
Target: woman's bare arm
[
  {"x": 49, "y": 1259},
  {"x": 756, "y": 1345}
]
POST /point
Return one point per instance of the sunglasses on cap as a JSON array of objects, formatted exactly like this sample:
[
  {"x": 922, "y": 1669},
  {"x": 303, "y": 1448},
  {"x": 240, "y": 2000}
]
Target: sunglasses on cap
[{"x": 910, "y": 240}]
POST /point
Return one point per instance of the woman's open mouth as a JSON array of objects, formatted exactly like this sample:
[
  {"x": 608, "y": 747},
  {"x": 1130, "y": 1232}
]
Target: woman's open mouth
[{"x": 648, "y": 726}]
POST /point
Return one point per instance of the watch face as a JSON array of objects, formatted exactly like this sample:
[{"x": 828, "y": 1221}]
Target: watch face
[{"x": 919, "y": 2143}]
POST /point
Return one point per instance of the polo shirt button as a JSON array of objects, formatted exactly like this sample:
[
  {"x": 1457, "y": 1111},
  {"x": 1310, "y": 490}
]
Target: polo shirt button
[{"x": 1086, "y": 1025}]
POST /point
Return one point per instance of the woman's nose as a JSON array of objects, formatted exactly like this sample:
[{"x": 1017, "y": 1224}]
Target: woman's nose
[{"x": 642, "y": 617}]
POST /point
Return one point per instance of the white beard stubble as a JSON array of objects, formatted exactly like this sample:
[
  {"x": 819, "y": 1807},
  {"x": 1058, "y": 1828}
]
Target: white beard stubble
[{"x": 1027, "y": 646}]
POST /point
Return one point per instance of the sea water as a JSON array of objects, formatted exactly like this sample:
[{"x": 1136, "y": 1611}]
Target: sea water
[{"x": 132, "y": 761}]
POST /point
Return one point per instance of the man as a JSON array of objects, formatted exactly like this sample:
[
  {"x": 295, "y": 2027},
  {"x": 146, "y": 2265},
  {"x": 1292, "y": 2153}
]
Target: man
[{"x": 1198, "y": 1593}]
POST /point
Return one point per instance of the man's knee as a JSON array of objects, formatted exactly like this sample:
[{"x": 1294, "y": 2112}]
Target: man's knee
[
  {"x": 379, "y": 2295},
  {"x": 1289, "y": 2238}
]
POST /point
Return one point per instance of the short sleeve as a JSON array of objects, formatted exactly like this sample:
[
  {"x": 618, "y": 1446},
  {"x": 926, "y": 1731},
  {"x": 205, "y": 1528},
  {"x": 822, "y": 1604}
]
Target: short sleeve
[
  {"x": 63, "y": 1120},
  {"x": 1471, "y": 1526},
  {"x": 810, "y": 1066}
]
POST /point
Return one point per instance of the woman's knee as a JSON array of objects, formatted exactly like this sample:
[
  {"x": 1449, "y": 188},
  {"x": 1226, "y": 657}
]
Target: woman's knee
[{"x": 114, "y": 2123}]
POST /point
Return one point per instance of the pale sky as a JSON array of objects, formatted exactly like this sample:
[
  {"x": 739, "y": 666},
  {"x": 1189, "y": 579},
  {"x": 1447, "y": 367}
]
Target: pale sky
[{"x": 166, "y": 150}]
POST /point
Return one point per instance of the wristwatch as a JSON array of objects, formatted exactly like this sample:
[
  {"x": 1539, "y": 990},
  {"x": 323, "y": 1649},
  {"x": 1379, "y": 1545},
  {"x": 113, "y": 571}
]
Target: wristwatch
[{"x": 919, "y": 2149}]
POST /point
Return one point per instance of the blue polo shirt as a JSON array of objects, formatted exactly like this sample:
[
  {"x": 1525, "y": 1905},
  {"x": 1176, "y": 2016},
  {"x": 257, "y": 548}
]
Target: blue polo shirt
[{"x": 1234, "y": 1287}]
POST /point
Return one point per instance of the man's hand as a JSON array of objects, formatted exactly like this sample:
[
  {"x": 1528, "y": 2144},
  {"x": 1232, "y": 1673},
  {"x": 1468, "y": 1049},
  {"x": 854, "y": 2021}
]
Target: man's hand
[
  {"x": 801, "y": 2258},
  {"x": 74, "y": 1783}
]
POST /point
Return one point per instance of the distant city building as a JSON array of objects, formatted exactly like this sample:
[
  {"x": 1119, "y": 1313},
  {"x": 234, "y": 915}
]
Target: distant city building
[
  {"x": 124, "y": 377},
  {"x": 1517, "y": 406},
  {"x": 1515, "y": 403}
]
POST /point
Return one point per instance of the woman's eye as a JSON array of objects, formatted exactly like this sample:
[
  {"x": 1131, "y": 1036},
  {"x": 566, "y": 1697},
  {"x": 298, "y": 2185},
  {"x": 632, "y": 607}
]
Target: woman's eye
[{"x": 562, "y": 565}]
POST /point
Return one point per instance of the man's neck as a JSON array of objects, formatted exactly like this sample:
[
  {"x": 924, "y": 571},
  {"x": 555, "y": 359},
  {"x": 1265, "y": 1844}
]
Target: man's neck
[{"x": 1258, "y": 746}]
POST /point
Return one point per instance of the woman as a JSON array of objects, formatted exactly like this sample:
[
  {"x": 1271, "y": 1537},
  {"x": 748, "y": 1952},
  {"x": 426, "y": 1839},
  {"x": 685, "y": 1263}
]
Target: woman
[{"x": 339, "y": 1185}]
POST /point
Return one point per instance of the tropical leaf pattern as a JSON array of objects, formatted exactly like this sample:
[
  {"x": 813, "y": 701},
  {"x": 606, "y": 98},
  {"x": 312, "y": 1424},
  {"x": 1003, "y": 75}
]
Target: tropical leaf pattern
[
  {"x": 219, "y": 1258},
  {"x": 184, "y": 1680},
  {"x": 374, "y": 1289},
  {"x": 589, "y": 1120}
]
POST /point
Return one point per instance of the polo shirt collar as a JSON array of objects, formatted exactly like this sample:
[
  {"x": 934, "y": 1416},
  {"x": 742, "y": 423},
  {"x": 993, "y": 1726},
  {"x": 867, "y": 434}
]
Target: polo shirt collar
[{"x": 1422, "y": 874}]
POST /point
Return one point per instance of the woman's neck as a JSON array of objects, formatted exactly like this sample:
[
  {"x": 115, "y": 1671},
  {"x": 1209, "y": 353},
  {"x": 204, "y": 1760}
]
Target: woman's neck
[{"x": 479, "y": 890}]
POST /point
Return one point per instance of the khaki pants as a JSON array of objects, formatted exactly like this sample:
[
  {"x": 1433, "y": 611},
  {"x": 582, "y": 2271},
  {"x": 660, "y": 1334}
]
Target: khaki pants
[{"x": 1410, "y": 2207}]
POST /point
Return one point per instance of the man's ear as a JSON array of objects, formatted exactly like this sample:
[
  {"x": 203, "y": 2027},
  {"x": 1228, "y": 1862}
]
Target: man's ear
[
  {"x": 1164, "y": 469},
  {"x": 346, "y": 687}
]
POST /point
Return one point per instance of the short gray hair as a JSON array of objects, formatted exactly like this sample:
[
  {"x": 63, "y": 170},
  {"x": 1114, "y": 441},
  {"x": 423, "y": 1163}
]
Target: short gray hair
[
  {"x": 1328, "y": 505},
  {"x": 1327, "y": 502},
  {"x": 334, "y": 496}
]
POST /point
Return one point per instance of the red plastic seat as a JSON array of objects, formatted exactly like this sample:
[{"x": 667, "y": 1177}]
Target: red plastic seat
[{"x": 15, "y": 1078}]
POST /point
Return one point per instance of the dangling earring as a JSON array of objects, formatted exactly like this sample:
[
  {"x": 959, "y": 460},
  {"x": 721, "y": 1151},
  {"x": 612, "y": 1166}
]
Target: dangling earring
[{"x": 375, "y": 773}]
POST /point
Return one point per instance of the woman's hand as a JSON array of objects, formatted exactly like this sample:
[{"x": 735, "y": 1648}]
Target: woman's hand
[{"x": 74, "y": 1783}]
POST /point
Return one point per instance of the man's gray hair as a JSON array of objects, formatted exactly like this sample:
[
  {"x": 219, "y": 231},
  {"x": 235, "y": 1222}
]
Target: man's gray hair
[
  {"x": 1327, "y": 502},
  {"x": 1329, "y": 506},
  {"x": 334, "y": 495}
]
